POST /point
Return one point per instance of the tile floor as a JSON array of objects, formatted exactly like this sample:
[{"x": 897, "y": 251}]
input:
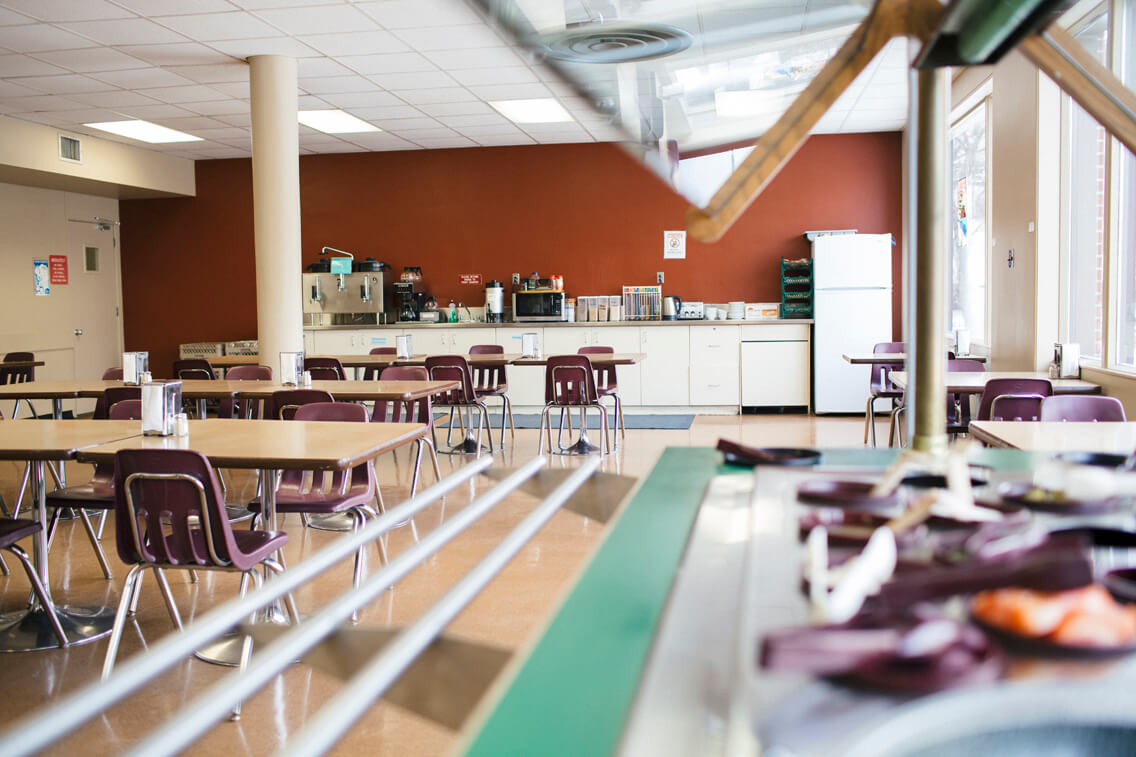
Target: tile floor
[{"x": 508, "y": 613}]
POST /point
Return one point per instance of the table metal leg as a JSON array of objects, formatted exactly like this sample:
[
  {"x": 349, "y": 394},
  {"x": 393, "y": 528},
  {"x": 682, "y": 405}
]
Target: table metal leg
[
  {"x": 33, "y": 629},
  {"x": 583, "y": 445}
]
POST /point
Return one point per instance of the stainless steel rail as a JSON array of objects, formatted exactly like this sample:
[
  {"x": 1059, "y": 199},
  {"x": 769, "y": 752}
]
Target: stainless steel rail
[{"x": 38, "y": 731}]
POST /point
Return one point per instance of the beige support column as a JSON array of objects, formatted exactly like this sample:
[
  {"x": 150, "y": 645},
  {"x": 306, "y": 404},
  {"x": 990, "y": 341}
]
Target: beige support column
[
  {"x": 276, "y": 206},
  {"x": 929, "y": 303}
]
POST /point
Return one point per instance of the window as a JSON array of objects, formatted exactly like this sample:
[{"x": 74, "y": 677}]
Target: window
[
  {"x": 90, "y": 259},
  {"x": 967, "y": 297},
  {"x": 1083, "y": 242},
  {"x": 1123, "y": 320}
]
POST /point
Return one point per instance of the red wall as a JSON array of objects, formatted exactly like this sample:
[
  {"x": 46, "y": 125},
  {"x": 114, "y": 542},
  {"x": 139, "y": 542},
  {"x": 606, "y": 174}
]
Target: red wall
[{"x": 586, "y": 211}]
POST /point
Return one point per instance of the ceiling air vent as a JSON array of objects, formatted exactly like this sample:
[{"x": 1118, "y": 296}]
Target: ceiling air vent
[
  {"x": 70, "y": 149},
  {"x": 614, "y": 42}
]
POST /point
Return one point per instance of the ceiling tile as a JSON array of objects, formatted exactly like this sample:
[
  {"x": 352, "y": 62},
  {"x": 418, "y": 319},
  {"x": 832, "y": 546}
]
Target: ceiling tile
[
  {"x": 243, "y": 48},
  {"x": 403, "y": 124},
  {"x": 481, "y": 119},
  {"x": 154, "y": 112},
  {"x": 311, "y": 102},
  {"x": 374, "y": 141},
  {"x": 488, "y": 57},
  {"x": 177, "y": 54},
  {"x": 311, "y": 137},
  {"x": 237, "y": 89},
  {"x": 210, "y": 27},
  {"x": 388, "y": 63},
  {"x": 362, "y": 99},
  {"x": 218, "y": 73},
  {"x": 494, "y": 141},
  {"x": 468, "y": 108},
  {"x": 142, "y": 77},
  {"x": 492, "y": 130},
  {"x": 355, "y": 43},
  {"x": 10, "y": 18},
  {"x": 415, "y": 80},
  {"x": 218, "y": 107},
  {"x": 127, "y": 31},
  {"x": 309, "y": 67},
  {"x": 259, "y": 4},
  {"x": 114, "y": 99},
  {"x": 326, "y": 85},
  {"x": 50, "y": 102},
  {"x": 385, "y": 111},
  {"x": 414, "y": 134},
  {"x": 404, "y": 14},
  {"x": 438, "y": 95},
  {"x": 559, "y": 139},
  {"x": 68, "y": 10},
  {"x": 327, "y": 19},
  {"x": 190, "y": 123},
  {"x": 451, "y": 37},
  {"x": 152, "y": 8},
  {"x": 62, "y": 85},
  {"x": 446, "y": 143},
  {"x": 188, "y": 94},
  {"x": 8, "y": 89},
  {"x": 22, "y": 65},
  {"x": 87, "y": 115},
  {"x": 607, "y": 133},
  {"x": 40, "y": 38},
  {"x": 511, "y": 91},
  {"x": 237, "y": 119},
  {"x": 89, "y": 60},
  {"x": 480, "y": 76}
]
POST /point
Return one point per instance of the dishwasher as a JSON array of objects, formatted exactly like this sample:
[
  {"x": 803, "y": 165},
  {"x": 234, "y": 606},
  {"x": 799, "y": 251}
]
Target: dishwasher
[{"x": 776, "y": 365}]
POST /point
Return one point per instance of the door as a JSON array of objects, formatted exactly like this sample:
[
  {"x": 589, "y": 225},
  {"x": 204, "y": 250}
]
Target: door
[
  {"x": 847, "y": 321},
  {"x": 852, "y": 261},
  {"x": 665, "y": 372}
]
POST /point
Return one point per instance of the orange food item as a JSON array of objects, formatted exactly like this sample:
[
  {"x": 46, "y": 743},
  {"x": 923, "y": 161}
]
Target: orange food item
[{"x": 1086, "y": 617}]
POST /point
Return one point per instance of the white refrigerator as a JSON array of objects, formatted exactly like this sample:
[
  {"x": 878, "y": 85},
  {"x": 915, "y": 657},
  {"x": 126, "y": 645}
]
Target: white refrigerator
[{"x": 852, "y": 308}]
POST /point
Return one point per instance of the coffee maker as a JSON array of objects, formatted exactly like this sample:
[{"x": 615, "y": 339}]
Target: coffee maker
[
  {"x": 494, "y": 302},
  {"x": 409, "y": 299}
]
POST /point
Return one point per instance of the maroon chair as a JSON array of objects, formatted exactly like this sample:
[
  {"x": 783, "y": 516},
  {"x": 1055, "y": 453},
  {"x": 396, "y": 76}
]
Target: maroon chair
[
  {"x": 1016, "y": 407},
  {"x": 98, "y": 492},
  {"x": 419, "y": 411},
  {"x": 958, "y": 404},
  {"x": 880, "y": 387},
  {"x": 194, "y": 369},
  {"x": 491, "y": 381},
  {"x": 111, "y": 395},
  {"x": 11, "y": 375},
  {"x": 996, "y": 387},
  {"x": 456, "y": 368},
  {"x": 570, "y": 383},
  {"x": 325, "y": 368},
  {"x": 170, "y": 514},
  {"x": 606, "y": 384},
  {"x": 371, "y": 372},
  {"x": 1082, "y": 407},
  {"x": 234, "y": 408},
  {"x": 330, "y": 492},
  {"x": 112, "y": 374},
  {"x": 285, "y": 402},
  {"x": 11, "y": 532}
]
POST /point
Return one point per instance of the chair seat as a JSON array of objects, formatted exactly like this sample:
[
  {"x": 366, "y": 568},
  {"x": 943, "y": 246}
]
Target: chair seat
[
  {"x": 886, "y": 394},
  {"x": 12, "y": 530},
  {"x": 493, "y": 391},
  {"x": 254, "y": 546},
  {"x": 91, "y": 495},
  {"x": 317, "y": 504},
  {"x": 607, "y": 391}
]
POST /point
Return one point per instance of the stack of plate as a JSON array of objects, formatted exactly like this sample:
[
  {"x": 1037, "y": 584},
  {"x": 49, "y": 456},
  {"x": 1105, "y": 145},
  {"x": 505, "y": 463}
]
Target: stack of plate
[{"x": 736, "y": 311}]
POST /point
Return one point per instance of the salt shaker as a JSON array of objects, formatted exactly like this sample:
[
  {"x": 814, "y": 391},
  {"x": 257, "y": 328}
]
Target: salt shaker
[
  {"x": 181, "y": 424},
  {"x": 307, "y": 378}
]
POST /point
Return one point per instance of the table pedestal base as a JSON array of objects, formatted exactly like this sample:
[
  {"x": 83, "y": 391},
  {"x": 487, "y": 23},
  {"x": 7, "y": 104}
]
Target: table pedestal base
[
  {"x": 226, "y": 650},
  {"x": 582, "y": 447},
  {"x": 468, "y": 446},
  {"x": 30, "y": 630},
  {"x": 332, "y": 522}
]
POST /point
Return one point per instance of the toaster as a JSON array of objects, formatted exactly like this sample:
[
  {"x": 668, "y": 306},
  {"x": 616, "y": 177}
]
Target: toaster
[{"x": 691, "y": 311}]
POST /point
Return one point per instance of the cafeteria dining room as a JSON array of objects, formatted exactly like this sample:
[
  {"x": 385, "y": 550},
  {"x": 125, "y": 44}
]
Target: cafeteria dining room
[{"x": 578, "y": 378}]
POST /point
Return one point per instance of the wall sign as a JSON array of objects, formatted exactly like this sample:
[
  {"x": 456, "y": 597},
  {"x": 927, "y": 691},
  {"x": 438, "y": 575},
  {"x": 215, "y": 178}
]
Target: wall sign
[
  {"x": 469, "y": 278},
  {"x": 42, "y": 276},
  {"x": 674, "y": 245},
  {"x": 58, "y": 266}
]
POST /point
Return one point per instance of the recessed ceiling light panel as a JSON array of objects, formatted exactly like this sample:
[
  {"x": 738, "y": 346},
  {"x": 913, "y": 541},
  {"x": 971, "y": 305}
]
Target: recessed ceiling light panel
[
  {"x": 541, "y": 110},
  {"x": 335, "y": 122},
  {"x": 144, "y": 131}
]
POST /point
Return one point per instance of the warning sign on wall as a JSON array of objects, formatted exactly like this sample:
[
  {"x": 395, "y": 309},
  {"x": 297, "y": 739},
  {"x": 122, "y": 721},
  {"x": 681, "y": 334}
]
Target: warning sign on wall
[
  {"x": 58, "y": 265},
  {"x": 469, "y": 278}
]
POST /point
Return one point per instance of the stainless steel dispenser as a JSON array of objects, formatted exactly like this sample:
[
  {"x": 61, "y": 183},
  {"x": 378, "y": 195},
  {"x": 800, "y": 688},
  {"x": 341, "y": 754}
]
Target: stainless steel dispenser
[
  {"x": 161, "y": 402},
  {"x": 332, "y": 299}
]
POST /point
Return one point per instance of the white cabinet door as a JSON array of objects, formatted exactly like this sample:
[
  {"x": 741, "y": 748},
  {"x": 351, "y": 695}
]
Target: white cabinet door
[
  {"x": 715, "y": 365},
  {"x": 462, "y": 339},
  {"x": 666, "y": 369},
  {"x": 526, "y": 382},
  {"x": 565, "y": 340},
  {"x": 775, "y": 374},
  {"x": 622, "y": 339},
  {"x": 336, "y": 342},
  {"x": 378, "y": 338},
  {"x": 431, "y": 341}
]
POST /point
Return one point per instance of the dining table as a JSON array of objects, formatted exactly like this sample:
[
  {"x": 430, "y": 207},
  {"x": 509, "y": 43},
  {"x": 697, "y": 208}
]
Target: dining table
[
  {"x": 894, "y": 358},
  {"x": 38, "y": 441},
  {"x": 270, "y": 446},
  {"x": 1107, "y": 437},
  {"x": 974, "y": 382}
]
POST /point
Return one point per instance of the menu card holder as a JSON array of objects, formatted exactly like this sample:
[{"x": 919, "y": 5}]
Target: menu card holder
[
  {"x": 962, "y": 342},
  {"x": 528, "y": 344},
  {"x": 161, "y": 402},
  {"x": 134, "y": 364},
  {"x": 291, "y": 368},
  {"x": 402, "y": 346}
]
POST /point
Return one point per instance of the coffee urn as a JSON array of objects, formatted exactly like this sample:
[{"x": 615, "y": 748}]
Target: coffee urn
[{"x": 494, "y": 302}]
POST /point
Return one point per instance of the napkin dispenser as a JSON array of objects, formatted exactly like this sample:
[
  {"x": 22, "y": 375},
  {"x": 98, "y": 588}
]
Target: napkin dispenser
[
  {"x": 134, "y": 364},
  {"x": 402, "y": 346},
  {"x": 161, "y": 402},
  {"x": 291, "y": 368},
  {"x": 528, "y": 344},
  {"x": 1067, "y": 358}
]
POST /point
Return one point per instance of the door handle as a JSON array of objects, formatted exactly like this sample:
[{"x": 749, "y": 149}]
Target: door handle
[{"x": 78, "y": 332}]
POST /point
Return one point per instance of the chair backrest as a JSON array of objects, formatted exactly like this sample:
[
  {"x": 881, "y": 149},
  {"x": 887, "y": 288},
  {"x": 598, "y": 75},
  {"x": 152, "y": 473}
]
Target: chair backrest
[
  {"x": 234, "y": 408},
  {"x": 194, "y": 368},
  {"x": 332, "y": 481},
  {"x": 325, "y": 368},
  {"x": 371, "y": 372},
  {"x": 162, "y": 497},
  {"x": 1082, "y": 407},
  {"x": 569, "y": 380},
  {"x": 1016, "y": 407},
  {"x": 488, "y": 377},
  {"x": 249, "y": 373},
  {"x": 17, "y": 375},
  {"x": 285, "y": 402},
  {"x": 605, "y": 375},
  {"x": 113, "y": 374},
  {"x": 999, "y": 386},
  {"x": 452, "y": 368},
  {"x": 877, "y": 380},
  {"x": 417, "y": 411},
  {"x": 113, "y": 395},
  {"x": 125, "y": 410}
]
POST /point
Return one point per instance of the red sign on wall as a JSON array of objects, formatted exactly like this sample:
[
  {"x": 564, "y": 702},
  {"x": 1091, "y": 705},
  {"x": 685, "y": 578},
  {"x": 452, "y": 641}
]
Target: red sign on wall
[
  {"x": 58, "y": 266},
  {"x": 469, "y": 278}
]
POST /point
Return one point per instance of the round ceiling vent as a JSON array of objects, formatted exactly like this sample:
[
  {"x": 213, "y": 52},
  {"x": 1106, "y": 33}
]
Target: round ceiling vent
[{"x": 615, "y": 43}]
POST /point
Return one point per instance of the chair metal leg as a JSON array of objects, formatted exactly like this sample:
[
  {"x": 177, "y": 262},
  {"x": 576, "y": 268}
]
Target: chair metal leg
[
  {"x": 289, "y": 601},
  {"x": 94, "y": 539},
  {"x": 544, "y": 421},
  {"x": 619, "y": 416},
  {"x": 4, "y": 506},
  {"x": 129, "y": 589},
  {"x": 102, "y": 523},
  {"x": 23, "y": 488},
  {"x": 4, "y": 567},
  {"x": 504, "y": 409},
  {"x": 512, "y": 428},
  {"x": 870, "y": 421},
  {"x": 40, "y": 591},
  {"x": 168, "y": 597}
]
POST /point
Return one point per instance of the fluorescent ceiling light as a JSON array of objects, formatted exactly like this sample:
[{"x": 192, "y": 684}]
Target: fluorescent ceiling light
[
  {"x": 543, "y": 110},
  {"x": 747, "y": 103},
  {"x": 334, "y": 122},
  {"x": 144, "y": 131}
]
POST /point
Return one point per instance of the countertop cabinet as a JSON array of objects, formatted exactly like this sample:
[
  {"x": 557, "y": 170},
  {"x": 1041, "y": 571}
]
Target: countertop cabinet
[
  {"x": 526, "y": 382},
  {"x": 714, "y": 365},
  {"x": 776, "y": 366},
  {"x": 666, "y": 369}
]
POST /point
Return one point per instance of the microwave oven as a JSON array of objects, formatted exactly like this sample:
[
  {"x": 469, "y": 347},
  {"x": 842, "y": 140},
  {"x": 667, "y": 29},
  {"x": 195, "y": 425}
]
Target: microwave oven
[{"x": 538, "y": 305}]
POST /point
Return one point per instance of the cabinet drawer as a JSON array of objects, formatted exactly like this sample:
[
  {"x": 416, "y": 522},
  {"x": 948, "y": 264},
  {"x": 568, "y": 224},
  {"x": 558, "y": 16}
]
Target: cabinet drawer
[
  {"x": 715, "y": 344},
  {"x": 775, "y": 332},
  {"x": 714, "y": 384}
]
